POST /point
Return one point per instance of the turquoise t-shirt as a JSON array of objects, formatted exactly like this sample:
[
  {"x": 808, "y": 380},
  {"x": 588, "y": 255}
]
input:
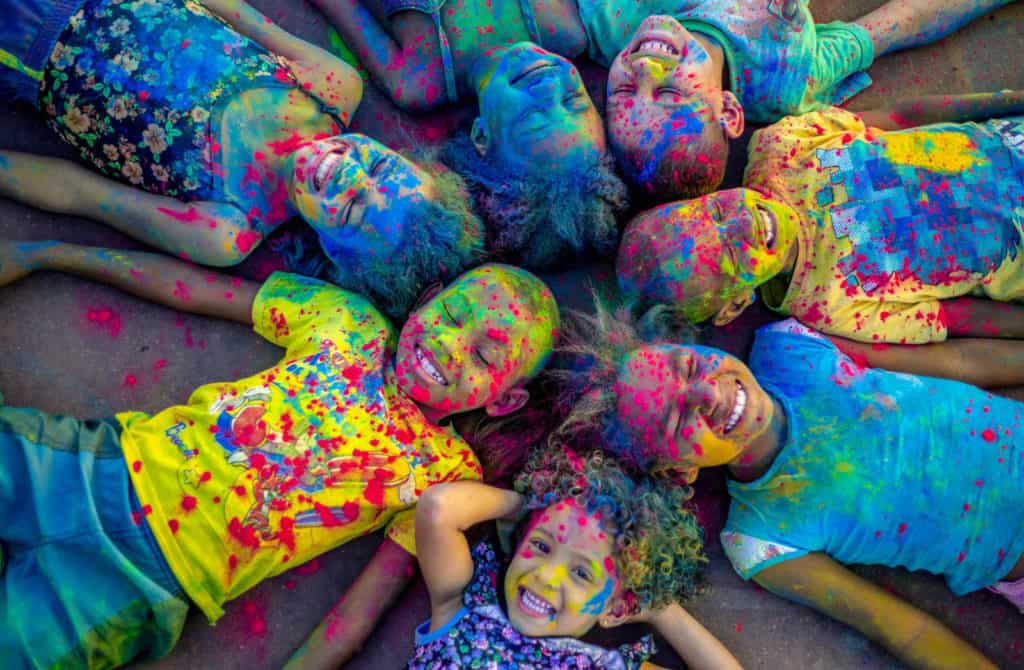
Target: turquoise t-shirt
[
  {"x": 779, "y": 61},
  {"x": 880, "y": 468}
]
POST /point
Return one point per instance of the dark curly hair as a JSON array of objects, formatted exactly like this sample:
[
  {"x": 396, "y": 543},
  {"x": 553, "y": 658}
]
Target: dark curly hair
[
  {"x": 590, "y": 358},
  {"x": 536, "y": 219},
  {"x": 441, "y": 239},
  {"x": 658, "y": 544}
]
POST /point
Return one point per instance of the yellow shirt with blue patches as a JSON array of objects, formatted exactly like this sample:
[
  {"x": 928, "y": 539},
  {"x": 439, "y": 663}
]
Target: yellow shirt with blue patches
[
  {"x": 253, "y": 477},
  {"x": 892, "y": 223}
]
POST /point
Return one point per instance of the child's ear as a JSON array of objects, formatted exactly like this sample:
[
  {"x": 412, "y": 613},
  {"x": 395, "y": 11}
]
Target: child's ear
[
  {"x": 480, "y": 136},
  {"x": 508, "y": 402},
  {"x": 733, "y": 121},
  {"x": 732, "y": 309}
]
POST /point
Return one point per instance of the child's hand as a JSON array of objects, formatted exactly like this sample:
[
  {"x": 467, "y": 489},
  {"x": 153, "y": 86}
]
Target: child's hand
[
  {"x": 17, "y": 260},
  {"x": 625, "y": 610}
]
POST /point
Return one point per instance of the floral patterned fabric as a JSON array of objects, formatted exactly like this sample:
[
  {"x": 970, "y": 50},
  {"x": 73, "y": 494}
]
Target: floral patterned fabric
[
  {"x": 481, "y": 636},
  {"x": 136, "y": 86}
]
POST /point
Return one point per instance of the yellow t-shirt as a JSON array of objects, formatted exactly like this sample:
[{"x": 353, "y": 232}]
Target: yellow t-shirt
[
  {"x": 894, "y": 222},
  {"x": 254, "y": 477}
]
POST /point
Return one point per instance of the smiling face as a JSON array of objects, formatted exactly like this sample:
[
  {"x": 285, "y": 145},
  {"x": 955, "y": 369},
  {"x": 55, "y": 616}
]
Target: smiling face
[
  {"x": 534, "y": 108},
  {"x": 357, "y": 194},
  {"x": 690, "y": 407},
  {"x": 562, "y": 577},
  {"x": 476, "y": 341},
  {"x": 666, "y": 108},
  {"x": 708, "y": 255}
]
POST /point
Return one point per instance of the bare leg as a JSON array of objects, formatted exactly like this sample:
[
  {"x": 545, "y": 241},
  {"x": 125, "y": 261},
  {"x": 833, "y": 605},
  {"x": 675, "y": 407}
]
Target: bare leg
[
  {"x": 904, "y": 24},
  {"x": 412, "y": 76}
]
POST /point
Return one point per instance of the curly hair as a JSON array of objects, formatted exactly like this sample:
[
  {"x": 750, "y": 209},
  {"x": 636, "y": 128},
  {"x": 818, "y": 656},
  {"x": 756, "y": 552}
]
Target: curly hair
[
  {"x": 591, "y": 356},
  {"x": 658, "y": 544},
  {"x": 441, "y": 239},
  {"x": 536, "y": 219}
]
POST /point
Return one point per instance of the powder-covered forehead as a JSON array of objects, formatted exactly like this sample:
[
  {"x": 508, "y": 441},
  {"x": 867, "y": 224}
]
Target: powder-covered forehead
[
  {"x": 667, "y": 242},
  {"x": 530, "y": 313}
]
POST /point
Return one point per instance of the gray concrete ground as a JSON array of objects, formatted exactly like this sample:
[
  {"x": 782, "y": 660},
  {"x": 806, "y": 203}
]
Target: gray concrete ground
[{"x": 70, "y": 346}]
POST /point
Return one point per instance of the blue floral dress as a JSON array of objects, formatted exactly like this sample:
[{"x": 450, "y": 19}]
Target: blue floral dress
[
  {"x": 137, "y": 85},
  {"x": 481, "y": 636}
]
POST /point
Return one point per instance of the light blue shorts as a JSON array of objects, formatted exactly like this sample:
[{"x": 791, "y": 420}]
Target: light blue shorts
[{"x": 83, "y": 583}]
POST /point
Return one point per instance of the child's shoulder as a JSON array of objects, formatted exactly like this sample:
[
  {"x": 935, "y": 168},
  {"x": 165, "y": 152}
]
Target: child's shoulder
[{"x": 823, "y": 123}]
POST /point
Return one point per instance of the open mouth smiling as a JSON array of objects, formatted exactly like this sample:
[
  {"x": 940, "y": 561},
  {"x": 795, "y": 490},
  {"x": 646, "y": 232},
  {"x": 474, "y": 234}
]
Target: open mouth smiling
[
  {"x": 656, "y": 47},
  {"x": 739, "y": 403},
  {"x": 428, "y": 366},
  {"x": 533, "y": 605},
  {"x": 771, "y": 226},
  {"x": 326, "y": 164}
]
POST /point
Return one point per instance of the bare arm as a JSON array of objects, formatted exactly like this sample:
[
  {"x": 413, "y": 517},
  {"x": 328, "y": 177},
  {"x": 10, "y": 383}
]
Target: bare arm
[
  {"x": 917, "y": 638},
  {"x": 692, "y": 641},
  {"x": 211, "y": 233},
  {"x": 407, "y": 73},
  {"x": 904, "y": 24},
  {"x": 352, "y": 619},
  {"x": 322, "y": 73},
  {"x": 443, "y": 514},
  {"x": 923, "y": 110},
  {"x": 982, "y": 362},
  {"x": 981, "y": 317},
  {"x": 155, "y": 277}
]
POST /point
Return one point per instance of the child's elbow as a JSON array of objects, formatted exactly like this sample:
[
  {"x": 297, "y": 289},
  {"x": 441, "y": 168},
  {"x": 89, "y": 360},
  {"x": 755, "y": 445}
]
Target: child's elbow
[
  {"x": 434, "y": 508},
  {"x": 417, "y": 95}
]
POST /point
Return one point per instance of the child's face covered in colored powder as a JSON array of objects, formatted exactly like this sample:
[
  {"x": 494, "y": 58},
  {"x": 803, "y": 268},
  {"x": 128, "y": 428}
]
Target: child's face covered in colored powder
[
  {"x": 666, "y": 104},
  {"x": 708, "y": 255},
  {"x": 690, "y": 407},
  {"x": 534, "y": 108},
  {"x": 562, "y": 577},
  {"x": 357, "y": 194},
  {"x": 472, "y": 344}
]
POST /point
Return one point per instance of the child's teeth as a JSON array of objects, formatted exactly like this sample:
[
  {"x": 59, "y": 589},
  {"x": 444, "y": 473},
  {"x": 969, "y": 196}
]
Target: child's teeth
[
  {"x": 326, "y": 165},
  {"x": 429, "y": 367},
  {"x": 657, "y": 45},
  {"x": 737, "y": 410},
  {"x": 536, "y": 604}
]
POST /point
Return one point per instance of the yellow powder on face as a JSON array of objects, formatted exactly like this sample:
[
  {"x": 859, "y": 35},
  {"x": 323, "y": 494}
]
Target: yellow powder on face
[{"x": 948, "y": 152}]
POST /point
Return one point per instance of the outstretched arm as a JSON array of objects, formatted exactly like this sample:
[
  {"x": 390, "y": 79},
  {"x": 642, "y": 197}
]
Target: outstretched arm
[
  {"x": 983, "y": 362},
  {"x": 211, "y": 233},
  {"x": 443, "y": 514},
  {"x": 155, "y": 277},
  {"x": 411, "y": 75},
  {"x": 916, "y": 638},
  {"x": 923, "y": 110},
  {"x": 350, "y": 622},
  {"x": 691, "y": 640},
  {"x": 325, "y": 75},
  {"x": 904, "y": 24}
]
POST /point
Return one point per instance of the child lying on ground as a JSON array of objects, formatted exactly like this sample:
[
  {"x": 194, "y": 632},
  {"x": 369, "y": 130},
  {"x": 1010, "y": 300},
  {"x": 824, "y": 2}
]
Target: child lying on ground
[
  {"x": 680, "y": 85},
  {"x": 898, "y": 236},
  {"x": 829, "y": 463},
  {"x": 202, "y": 501},
  {"x": 212, "y": 126},
  {"x": 535, "y": 158},
  {"x": 597, "y": 547}
]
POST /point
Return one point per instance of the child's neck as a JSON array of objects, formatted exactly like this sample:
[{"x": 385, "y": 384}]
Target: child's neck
[{"x": 757, "y": 458}]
